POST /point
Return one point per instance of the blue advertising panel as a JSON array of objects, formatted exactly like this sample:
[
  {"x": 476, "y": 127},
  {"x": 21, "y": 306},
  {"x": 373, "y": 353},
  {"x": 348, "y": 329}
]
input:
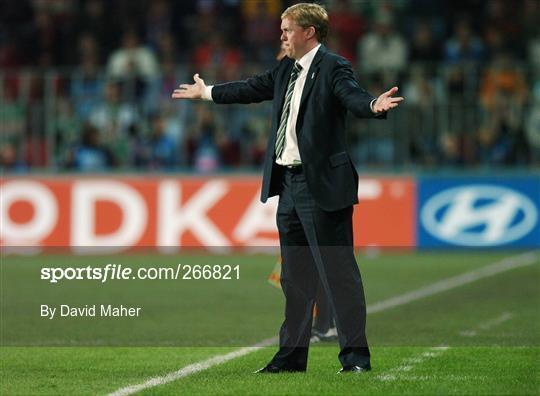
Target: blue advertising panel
[{"x": 478, "y": 212}]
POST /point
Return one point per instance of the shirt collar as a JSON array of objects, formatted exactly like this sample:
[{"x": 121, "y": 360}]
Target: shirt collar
[{"x": 307, "y": 59}]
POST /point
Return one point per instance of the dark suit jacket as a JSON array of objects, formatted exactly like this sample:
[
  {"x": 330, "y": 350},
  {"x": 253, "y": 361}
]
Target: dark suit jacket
[{"x": 329, "y": 92}]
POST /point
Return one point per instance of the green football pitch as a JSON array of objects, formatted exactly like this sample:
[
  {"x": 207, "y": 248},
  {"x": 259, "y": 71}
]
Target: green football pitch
[{"x": 438, "y": 323}]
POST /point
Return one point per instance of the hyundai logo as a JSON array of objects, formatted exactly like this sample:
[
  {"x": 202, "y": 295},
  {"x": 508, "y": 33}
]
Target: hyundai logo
[{"x": 479, "y": 215}]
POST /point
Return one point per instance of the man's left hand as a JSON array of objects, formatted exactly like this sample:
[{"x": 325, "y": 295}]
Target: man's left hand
[{"x": 386, "y": 101}]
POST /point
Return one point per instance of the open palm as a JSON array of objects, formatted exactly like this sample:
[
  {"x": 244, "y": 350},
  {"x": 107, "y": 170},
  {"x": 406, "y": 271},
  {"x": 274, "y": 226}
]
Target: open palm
[
  {"x": 386, "y": 101},
  {"x": 190, "y": 91}
]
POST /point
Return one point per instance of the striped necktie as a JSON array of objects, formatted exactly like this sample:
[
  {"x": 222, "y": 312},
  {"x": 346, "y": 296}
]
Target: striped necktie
[{"x": 280, "y": 138}]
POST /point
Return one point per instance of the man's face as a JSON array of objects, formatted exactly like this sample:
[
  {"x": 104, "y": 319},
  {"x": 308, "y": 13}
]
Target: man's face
[{"x": 294, "y": 39}]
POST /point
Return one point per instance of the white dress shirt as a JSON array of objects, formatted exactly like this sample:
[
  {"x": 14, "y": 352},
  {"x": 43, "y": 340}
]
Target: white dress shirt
[{"x": 291, "y": 154}]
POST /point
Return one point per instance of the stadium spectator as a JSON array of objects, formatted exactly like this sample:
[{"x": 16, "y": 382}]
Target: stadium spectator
[
  {"x": 167, "y": 49},
  {"x": 503, "y": 98},
  {"x": 503, "y": 81},
  {"x": 62, "y": 46},
  {"x": 425, "y": 49},
  {"x": 229, "y": 150},
  {"x": 96, "y": 18},
  {"x": 86, "y": 81},
  {"x": 349, "y": 27},
  {"x": 422, "y": 90},
  {"x": 533, "y": 131},
  {"x": 12, "y": 112},
  {"x": 9, "y": 159},
  {"x": 66, "y": 129},
  {"x": 134, "y": 65},
  {"x": 203, "y": 153},
  {"x": 16, "y": 20},
  {"x": 138, "y": 148},
  {"x": 494, "y": 144},
  {"x": 158, "y": 22},
  {"x": 383, "y": 51},
  {"x": 450, "y": 149},
  {"x": 162, "y": 150},
  {"x": 257, "y": 149},
  {"x": 113, "y": 118},
  {"x": 530, "y": 15},
  {"x": 35, "y": 152},
  {"x": 260, "y": 30},
  {"x": 45, "y": 39},
  {"x": 90, "y": 155},
  {"x": 463, "y": 46},
  {"x": 216, "y": 53},
  {"x": 503, "y": 17},
  {"x": 533, "y": 116},
  {"x": 534, "y": 54},
  {"x": 494, "y": 42}
]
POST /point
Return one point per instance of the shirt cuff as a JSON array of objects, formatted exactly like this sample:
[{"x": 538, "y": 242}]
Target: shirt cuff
[
  {"x": 207, "y": 94},
  {"x": 371, "y": 105}
]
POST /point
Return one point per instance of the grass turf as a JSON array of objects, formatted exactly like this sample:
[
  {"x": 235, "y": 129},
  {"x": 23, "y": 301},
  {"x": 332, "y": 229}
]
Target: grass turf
[
  {"x": 396, "y": 370},
  {"x": 500, "y": 358}
]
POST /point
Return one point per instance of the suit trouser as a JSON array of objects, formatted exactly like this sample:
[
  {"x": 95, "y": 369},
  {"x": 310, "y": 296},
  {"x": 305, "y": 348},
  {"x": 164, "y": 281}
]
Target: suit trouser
[
  {"x": 317, "y": 245},
  {"x": 325, "y": 316}
]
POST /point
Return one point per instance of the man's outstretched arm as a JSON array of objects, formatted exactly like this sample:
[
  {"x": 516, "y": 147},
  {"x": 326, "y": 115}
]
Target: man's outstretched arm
[
  {"x": 253, "y": 90},
  {"x": 356, "y": 99}
]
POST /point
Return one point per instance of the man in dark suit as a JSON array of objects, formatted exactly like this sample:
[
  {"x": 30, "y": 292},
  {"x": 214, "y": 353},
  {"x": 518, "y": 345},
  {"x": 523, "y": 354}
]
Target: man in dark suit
[{"x": 308, "y": 166}]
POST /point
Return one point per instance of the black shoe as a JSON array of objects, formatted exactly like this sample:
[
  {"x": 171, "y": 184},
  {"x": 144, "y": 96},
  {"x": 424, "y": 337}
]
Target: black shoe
[
  {"x": 355, "y": 369},
  {"x": 271, "y": 369}
]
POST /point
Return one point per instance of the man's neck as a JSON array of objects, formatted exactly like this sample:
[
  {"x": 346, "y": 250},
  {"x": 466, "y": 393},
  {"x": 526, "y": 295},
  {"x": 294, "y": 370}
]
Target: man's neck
[{"x": 308, "y": 48}]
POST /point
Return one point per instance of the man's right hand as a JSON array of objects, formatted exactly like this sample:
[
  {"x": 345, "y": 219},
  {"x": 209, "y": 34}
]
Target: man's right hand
[{"x": 193, "y": 91}]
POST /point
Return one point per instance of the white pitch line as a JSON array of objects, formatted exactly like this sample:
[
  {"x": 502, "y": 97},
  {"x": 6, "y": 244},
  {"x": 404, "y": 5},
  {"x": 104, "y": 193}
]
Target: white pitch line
[
  {"x": 504, "y": 265},
  {"x": 505, "y": 316},
  {"x": 410, "y": 363},
  {"x": 451, "y": 377},
  {"x": 193, "y": 368}
]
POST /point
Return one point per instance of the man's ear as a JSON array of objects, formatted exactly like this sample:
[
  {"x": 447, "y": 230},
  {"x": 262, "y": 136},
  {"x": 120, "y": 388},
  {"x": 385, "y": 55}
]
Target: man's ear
[{"x": 310, "y": 32}]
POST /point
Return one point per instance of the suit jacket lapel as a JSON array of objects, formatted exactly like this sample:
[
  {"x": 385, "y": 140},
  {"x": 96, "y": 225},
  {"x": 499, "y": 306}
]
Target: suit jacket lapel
[
  {"x": 311, "y": 76},
  {"x": 283, "y": 82}
]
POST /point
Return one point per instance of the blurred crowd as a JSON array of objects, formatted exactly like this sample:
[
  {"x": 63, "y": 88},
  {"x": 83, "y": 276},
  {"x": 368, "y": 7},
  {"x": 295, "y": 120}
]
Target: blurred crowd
[{"x": 86, "y": 84}]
